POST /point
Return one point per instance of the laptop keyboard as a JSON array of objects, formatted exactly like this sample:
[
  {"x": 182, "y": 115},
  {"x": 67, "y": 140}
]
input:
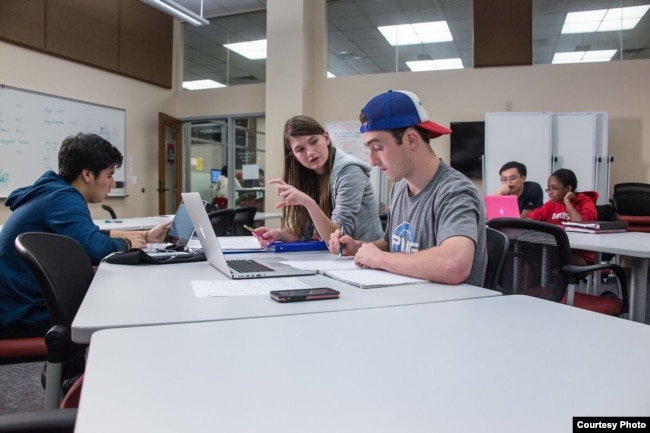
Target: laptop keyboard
[{"x": 247, "y": 266}]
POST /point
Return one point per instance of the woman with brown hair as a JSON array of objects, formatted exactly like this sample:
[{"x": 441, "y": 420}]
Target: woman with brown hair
[{"x": 322, "y": 189}]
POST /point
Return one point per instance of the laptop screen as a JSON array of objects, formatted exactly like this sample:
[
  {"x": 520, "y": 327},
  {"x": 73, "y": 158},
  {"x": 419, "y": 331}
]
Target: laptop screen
[
  {"x": 181, "y": 230},
  {"x": 500, "y": 206}
]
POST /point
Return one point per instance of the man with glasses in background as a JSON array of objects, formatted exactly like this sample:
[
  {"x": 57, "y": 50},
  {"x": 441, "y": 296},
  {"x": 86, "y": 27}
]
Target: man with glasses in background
[{"x": 513, "y": 182}]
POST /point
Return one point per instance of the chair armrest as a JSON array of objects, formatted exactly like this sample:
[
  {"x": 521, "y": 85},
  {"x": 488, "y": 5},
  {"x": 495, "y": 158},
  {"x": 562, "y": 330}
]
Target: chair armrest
[
  {"x": 22, "y": 347},
  {"x": 575, "y": 273}
]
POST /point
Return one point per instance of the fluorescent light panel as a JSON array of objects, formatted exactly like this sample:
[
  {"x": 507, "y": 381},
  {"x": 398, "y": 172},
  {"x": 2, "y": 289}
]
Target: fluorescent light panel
[
  {"x": 583, "y": 56},
  {"x": 181, "y": 12},
  {"x": 252, "y": 50},
  {"x": 201, "y": 84},
  {"x": 435, "y": 65},
  {"x": 418, "y": 33},
  {"x": 604, "y": 20}
]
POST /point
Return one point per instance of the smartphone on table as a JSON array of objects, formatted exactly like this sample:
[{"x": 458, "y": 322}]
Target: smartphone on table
[{"x": 304, "y": 294}]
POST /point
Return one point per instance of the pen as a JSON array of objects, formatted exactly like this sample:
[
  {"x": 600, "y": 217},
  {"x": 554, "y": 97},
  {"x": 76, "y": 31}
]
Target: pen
[
  {"x": 341, "y": 245},
  {"x": 113, "y": 221},
  {"x": 252, "y": 230}
]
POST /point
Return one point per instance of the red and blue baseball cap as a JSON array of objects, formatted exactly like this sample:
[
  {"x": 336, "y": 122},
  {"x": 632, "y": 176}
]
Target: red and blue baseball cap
[{"x": 398, "y": 109}]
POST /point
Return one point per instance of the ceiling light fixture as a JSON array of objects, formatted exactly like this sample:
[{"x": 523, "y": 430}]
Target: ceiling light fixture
[
  {"x": 435, "y": 65},
  {"x": 604, "y": 20},
  {"x": 181, "y": 12},
  {"x": 417, "y": 33},
  {"x": 583, "y": 56},
  {"x": 202, "y": 84},
  {"x": 253, "y": 50}
]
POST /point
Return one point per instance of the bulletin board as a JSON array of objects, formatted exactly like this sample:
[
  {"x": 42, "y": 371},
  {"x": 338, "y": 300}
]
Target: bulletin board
[{"x": 33, "y": 125}]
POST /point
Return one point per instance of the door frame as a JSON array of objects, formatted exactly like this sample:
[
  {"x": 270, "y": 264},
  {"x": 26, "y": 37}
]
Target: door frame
[{"x": 166, "y": 121}]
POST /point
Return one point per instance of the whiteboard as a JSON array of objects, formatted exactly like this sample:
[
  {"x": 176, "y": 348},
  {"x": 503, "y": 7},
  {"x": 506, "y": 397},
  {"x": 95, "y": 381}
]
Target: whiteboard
[
  {"x": 580, "y": 144},
  {"x": 33, "y": 125},
  {"x": 574, "y": 139},
  {"x": 517, "y": 136}
]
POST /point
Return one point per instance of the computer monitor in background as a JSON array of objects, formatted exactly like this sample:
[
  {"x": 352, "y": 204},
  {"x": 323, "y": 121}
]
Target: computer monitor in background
[
  {"x": 467, "y": 147},
  {"x": 215, "y": 174}
]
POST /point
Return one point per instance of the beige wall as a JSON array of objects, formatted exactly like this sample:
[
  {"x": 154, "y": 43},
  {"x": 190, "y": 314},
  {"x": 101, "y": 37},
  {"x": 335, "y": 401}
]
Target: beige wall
[
  {"x": 31, "y": 70},
  {"x": 620, "y": 88}
]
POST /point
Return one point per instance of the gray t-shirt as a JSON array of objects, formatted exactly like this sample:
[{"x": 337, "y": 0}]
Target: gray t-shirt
[{"x": 448, "y": 206}]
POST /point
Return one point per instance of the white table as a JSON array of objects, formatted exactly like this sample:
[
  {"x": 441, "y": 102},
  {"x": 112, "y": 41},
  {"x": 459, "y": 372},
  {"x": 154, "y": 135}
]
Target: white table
[
  {"x": 635, "y": 245},
  {"x": 145, "y": 223},
  {"x": 123, "y": 295},
  {"x": 505, "y": 364},
  {"x": 141, "y": 223}
]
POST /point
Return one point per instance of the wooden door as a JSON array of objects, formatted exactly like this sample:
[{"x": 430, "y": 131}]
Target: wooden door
[{"x": 170, "y": 163}]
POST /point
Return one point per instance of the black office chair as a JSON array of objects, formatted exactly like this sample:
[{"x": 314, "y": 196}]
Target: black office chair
[
  {"x": 632, "y": 203},
  {"x": 632, "y": 198},
  {"x": 110, "y": 211},
  {"x": 244, "y": 215},
  {"x": 497, "y": 248},
  {"x": 538, "y": 263},
  {"x": 221, "y": 221},
  {"x": 64, "y": 272},
  {"x": 50, "y": 421}
]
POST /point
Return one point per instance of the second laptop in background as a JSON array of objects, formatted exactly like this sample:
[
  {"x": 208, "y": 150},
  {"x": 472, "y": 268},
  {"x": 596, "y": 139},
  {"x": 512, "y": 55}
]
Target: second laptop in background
[{"x": 501, "y": 206}]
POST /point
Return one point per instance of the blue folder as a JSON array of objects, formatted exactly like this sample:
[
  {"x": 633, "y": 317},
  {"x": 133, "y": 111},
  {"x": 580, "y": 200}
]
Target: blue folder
[{"x": 286, "y": 247}]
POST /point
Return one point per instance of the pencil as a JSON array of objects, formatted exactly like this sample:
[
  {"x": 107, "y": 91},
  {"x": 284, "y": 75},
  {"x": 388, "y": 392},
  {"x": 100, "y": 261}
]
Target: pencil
[
  {"x": 340, "y": 245},
  {"x": 250, "y": 229}
]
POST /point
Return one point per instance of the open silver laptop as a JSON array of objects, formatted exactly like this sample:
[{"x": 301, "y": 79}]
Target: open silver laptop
[{"x": 258, "y": 268}]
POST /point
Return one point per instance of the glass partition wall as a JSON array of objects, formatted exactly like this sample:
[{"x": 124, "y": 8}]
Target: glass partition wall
[
  {"x": 370, "y": 37},
  {"x": 233, "y": 147}
]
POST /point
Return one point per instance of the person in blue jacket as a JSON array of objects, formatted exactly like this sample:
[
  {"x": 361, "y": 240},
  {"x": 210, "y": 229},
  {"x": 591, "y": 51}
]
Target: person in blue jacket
[{"x": 58, "y": 203}]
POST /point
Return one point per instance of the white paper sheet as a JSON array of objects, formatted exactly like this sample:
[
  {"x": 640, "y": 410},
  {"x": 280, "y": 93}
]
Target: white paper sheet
[
  {"x": 261, "y": 286},
  {"x": 322, "y": 265}
]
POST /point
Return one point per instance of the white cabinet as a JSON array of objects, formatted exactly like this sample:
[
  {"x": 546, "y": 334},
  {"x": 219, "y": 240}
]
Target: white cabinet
[{"x": 545, "y": 142}]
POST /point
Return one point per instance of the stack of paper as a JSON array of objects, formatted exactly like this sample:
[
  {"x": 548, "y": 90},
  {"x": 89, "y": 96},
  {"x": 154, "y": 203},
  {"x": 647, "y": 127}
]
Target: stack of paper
[{"x": 596, "y": 226}]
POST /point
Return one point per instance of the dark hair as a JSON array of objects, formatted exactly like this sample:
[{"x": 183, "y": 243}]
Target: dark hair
[
  {"x": 399, "y": 132},
  {"x": 566, "y": 177},
  {"x": 224, "y": 170},
  {"x": 86, "y": 152},
  {"x": 521, "y": 168},
  {"x": 296, "y": 218}
]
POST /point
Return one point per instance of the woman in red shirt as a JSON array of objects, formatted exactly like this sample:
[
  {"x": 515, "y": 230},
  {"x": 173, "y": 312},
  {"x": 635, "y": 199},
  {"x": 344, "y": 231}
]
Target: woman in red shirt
[{"x": 567, "y": 205}]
